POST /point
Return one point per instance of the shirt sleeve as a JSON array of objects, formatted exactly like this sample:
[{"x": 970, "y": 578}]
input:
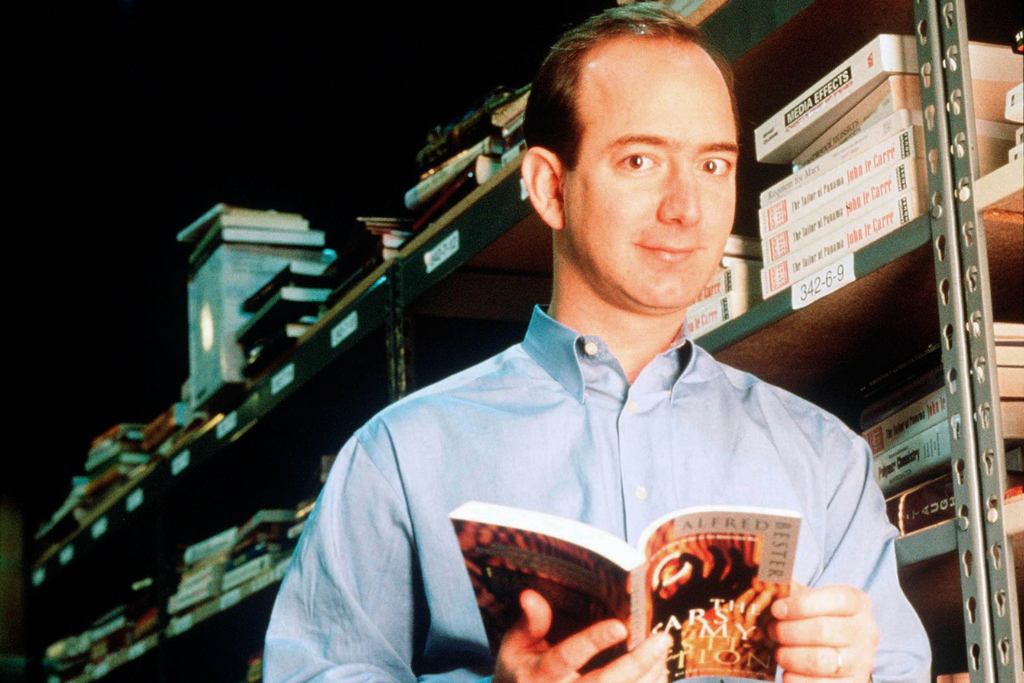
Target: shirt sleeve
[
  {"x": 860, "y": 551},
  {"x": 348, "y": 607}
]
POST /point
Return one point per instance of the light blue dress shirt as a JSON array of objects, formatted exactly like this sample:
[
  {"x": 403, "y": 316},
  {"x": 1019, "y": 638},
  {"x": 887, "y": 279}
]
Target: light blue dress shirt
[{"x": 377, "y": 590}]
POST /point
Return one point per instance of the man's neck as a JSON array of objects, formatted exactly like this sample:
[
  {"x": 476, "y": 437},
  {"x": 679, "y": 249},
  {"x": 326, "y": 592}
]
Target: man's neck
[{"x": 633, "y": 338}]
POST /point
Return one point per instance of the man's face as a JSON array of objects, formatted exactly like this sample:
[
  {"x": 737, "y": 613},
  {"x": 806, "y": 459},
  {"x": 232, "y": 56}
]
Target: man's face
[{"x": 649, "y": 206}]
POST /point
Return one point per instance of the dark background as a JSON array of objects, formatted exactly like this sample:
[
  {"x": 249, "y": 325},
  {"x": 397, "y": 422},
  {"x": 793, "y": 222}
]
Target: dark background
[{"x": 135, "y": 117}]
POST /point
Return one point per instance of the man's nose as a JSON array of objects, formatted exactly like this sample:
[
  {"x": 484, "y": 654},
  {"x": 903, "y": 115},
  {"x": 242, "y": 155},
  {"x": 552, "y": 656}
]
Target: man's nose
[{"x": 680, "y": 202}]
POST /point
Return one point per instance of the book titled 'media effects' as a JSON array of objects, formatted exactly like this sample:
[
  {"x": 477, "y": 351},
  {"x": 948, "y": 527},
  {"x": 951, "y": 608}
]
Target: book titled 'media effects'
[{"x": 706, "y": 576}]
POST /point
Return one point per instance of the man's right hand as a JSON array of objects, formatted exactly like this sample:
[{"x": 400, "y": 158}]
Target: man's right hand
[{"x": 526, "y": 657}]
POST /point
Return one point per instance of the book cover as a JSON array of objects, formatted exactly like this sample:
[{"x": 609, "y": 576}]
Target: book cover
[
  {"x": 706, "y": 576},
  {"x": 896, "y": 93},
  {"x": 905, "y": 423},
  {"x": 836, "y": 243},
  {"x": 713, "y": 313},
  {"x": 919, "y": 457},
  {"x": 812, "y": 194},
  {"x": 804, "y": 216},
  {"x": 779, "y": 139}
]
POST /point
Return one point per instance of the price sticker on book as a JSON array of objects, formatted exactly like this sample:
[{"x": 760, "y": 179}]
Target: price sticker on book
[
  {"x": 344, "y": 329},
  {"x": 823, "y": 282},
  {"x": 38, "y": 576},
  {"x": 66, "y": 555},
  {"x": 181, "y": 461},
  {"x": 283, "y": 378},
  {"x": 227, "y": 425},
  {"x": 230, "y": 599},
  {"x": 134, "y": 500},
  {"x": 99, "y": 527}
]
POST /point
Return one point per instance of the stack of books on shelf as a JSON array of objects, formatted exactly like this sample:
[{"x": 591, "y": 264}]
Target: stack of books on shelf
[
  {"x": 906, "y": 425},
  {"x": 1009, "y": 342},
  {"x": 237, "y": 252},
  {"x": 235, "y": 556},
  {"x": 1014, "y": 113},
  {"x": 730, "y": 291},
  {"x": 466, "y": 153},
  {"x": 90, "y": 654},
  {"x": 856, "y": 142},
  {"x": 115, "y": 457}
]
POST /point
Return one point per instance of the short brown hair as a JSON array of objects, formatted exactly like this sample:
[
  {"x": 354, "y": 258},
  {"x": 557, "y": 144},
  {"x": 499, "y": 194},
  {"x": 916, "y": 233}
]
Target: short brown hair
[{"x": 552, "y": 121}]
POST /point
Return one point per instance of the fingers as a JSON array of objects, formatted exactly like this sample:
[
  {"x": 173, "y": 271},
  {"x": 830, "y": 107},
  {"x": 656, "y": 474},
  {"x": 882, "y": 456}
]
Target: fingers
[
  {"x": 533, "y": 624},
  {"x": 822, "y": 631},
  {"x": 803, "y": 603},
  {"x": 579, "y": 648},
  {"x": 645, "y": 664},
  {"x": 813, "y": 662}
]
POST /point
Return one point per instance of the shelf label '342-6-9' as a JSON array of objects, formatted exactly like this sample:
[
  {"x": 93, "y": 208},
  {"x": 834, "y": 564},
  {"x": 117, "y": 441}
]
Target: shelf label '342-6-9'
[{"x": 822, "y": 282}]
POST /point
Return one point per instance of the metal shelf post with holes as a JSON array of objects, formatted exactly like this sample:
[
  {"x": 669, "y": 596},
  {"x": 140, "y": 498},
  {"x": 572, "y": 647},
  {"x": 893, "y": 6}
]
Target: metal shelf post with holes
[{"x": 985, "y": 559}]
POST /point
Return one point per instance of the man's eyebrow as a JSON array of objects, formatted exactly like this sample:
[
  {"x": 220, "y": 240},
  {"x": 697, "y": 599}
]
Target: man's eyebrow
[{"x": 659, "y": 141}]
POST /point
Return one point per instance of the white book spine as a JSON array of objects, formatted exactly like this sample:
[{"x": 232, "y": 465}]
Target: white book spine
[
  {"x": 907, "y": 422},
  {"x": 249, "y": 570},
  {"x": 781, "y": 137},
  {"x": 214, "y": 545},
  {"x": 915, "y": 459},
  {"x": 803, "y": 200},
  {"x": 843, "y": 240},
  {"x": 896, "y": 93},
  {"x": 1015, "y": 104},
  {"x": 858, "y": 201},
  {"x": 712, "y": 313},
  {"x": 855, "y": 148}
]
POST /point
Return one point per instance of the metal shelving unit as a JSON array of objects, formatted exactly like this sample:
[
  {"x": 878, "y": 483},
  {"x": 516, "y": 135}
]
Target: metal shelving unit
[{"x": 497, "y": 219}]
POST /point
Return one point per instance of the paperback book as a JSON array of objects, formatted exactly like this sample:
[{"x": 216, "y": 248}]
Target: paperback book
[{"x": 706, "y": 576}]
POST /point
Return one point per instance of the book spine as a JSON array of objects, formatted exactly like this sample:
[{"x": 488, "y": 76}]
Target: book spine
[
  {"x": 907, "y": 422},
  {"x": 781, "y": 137},
  {"x": 182, "y": 600},
  {"x": 915, "y": 459},
  {"x": 1012, "y": 411},
  {"x": 923, "y": 505},
  {"x": 856, "y": 146},
  {"x": 1011, "y": 381},
  {"x": 722, "y": 282},
  {"x": 247, "y": 571},
  {"x": 1014, "y": 110},
  {"x": 213, "y": 545},
  {"x": 805, "y": 214},
  {"x": 434, "y": 180},
  {"x": 898, "y": 92},
  {"x": 845, "y": 239},
  {"x": 908, "y": 143},
  {"x": 712, "y": 313}
]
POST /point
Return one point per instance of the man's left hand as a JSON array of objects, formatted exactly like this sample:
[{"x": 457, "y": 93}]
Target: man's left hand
[{"x": 825, "y": 633}]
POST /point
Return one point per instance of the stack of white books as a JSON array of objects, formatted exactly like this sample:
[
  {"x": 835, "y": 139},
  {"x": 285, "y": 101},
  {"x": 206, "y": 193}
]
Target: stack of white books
[{"x": 856, "y": 143}]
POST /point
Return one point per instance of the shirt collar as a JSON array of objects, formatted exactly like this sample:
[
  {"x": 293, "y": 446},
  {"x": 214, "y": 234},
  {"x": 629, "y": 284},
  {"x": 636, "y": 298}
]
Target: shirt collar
[{"x": 584, "y": 365}]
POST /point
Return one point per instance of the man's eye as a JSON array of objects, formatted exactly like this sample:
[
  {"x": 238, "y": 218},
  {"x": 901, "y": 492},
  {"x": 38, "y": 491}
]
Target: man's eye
[
  {"x": 637, "y": 162},
  {"x": 715, "y": 166}
]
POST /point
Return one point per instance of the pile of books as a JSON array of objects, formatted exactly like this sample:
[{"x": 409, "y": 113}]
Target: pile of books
[
  {"x": 1009, "y": 342},
  {"x": 466, "y": 153},
  {"x": 116, "y": 457},
  {"x": 228, "y": 559},
  {"x": 247, "y": 265},
  {"x": 905, "y": 422},
  {"x": 856, "y": 143},
  {"x": 87, "y": 654},
  {"x": 730, "y": 291}
]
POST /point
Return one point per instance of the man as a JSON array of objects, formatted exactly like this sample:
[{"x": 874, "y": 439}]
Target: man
[{"x": 605, "y": 413}]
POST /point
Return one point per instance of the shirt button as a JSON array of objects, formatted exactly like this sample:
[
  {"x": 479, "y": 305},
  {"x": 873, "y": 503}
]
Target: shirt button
[
  {"x": 632, "y": 407},
  {"x": 640, "y": 492},
  {"x": 590, "y": 348}
]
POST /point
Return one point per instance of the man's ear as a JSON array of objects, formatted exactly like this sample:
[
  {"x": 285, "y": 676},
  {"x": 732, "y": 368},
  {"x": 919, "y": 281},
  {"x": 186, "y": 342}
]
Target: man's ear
[{"x": 542, "y": 173}]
